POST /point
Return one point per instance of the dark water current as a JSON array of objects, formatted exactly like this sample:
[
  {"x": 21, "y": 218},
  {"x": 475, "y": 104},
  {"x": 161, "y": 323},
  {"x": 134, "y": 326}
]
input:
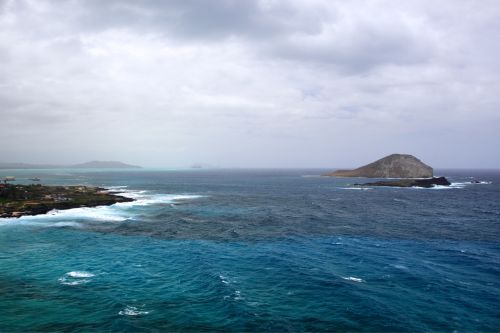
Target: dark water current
[{"x": 255, "y": 250}]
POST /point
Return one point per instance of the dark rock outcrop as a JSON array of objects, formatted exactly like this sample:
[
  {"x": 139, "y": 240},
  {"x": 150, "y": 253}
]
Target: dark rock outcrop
[
  {"x": 427, "y": 183},
  {"x": 392, "y": 166}
]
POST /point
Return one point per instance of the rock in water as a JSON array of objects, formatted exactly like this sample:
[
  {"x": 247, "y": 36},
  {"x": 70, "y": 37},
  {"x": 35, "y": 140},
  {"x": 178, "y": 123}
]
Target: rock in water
[
  {"x": 392, "y": 166},
  {"x": 427, "y": 183}
]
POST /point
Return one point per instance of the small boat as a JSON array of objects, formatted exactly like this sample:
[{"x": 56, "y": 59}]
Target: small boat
[{"x": 35, "y": 179}]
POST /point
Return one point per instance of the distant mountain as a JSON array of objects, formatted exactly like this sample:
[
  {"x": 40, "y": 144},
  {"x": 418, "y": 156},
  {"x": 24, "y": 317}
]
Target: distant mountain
[
  {"x": 392, "y": 166},
  {"x": 104, "y": 165},
  {"x": 87, "y": 165}
]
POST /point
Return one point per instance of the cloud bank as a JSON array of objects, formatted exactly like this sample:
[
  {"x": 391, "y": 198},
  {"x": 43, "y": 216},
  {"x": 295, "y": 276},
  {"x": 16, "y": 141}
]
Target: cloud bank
[{"x": 249, "y": 83}]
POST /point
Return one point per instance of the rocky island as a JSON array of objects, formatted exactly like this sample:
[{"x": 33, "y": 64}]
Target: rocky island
[
  {"x": 410, "y": 171},
  {"x": 392, "y": 166},
  {"x": 19, "y": 200}
]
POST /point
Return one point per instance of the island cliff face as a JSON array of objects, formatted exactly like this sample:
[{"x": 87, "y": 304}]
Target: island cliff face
[{"x": 392, "y": 166}]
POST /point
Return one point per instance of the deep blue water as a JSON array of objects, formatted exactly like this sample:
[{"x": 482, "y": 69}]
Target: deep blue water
[{"x": 256, "y": 250}]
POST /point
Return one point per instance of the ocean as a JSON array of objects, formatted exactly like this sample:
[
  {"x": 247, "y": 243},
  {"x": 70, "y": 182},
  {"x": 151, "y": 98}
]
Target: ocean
[{"x": 255, "y": 250}]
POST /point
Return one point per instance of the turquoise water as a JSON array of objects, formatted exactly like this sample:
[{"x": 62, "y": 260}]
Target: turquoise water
[{"x": 247, "y": 250}]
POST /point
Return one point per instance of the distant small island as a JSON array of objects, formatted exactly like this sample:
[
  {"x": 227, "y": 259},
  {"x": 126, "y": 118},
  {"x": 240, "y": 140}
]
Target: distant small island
[
  {"x": 392, "y": 166},
  {"x": 104, "y": 165},
  {"x": 87, "y": 165},
  {"x": 20, "y": 200}
]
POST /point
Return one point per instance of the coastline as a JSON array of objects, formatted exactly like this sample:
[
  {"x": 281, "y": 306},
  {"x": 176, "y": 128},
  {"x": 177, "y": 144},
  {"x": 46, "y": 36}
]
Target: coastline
[{"x": 28, "y": 200}]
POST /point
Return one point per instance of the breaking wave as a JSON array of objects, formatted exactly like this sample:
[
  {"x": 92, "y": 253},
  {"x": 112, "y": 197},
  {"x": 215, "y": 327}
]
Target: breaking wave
[
  {"x": 132, "y": 311},
  {"x": 79, "y": 274},
  {"x": 118, "y": 212},
  {"x": 145, "y": 198},
  {"x": 353, "y": 279},
  {"x": 75, "y": 278}
]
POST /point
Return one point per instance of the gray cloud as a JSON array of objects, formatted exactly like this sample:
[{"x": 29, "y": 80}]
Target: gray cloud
[
  {"x": 292, "y": 30},
  {"x": 191, "y": 20},
  {"x": 249, "y": 83}
]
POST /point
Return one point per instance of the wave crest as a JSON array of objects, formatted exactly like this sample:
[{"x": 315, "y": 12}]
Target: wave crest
[
  {"x": 353, "y": 279},
  {"x": 132, "y": 311},
  {"x": 75, "y": 278}
]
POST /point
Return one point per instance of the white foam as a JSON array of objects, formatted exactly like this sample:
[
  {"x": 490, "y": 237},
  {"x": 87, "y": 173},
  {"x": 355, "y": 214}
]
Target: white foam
[
  {"x": 223, "y": 279},
  {"x": 402, "y": 267},
  {"x": 356, "y": 188},
  {"x": 67, "y": 282},
  {"x": 66, "y": 224},
  {"x": 100, "y": 213},
  {"x": 463, "y": 184},
  {"x": 438, "y": 187},
  {"x": 237, "y": 296},
  {"x": 445, "y": 187},
  {"x": 75, "y": 278},
  {"x": 442, "y": 187},
  {"x": 115, "y": 213},
  {"x": 132, "y": 311},
  {"x": 353, "y": 279},
  {"x": 144, "y": 198},
  {"x": 131, "y": 194},
  {"x": 459, "y": 185},
  {"x": 79, "y": 274},
  {"x": 68, "y": 217},
  {"x": 112, "y": 188}
]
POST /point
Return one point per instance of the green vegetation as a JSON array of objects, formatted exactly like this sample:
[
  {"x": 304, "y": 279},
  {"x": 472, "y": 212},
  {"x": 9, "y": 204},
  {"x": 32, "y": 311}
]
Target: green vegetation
[{"x": 19, "y": 200}]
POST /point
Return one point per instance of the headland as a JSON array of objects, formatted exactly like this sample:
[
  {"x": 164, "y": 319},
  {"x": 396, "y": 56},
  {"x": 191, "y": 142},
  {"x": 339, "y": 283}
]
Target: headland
[{"x": 20, "y": 200}]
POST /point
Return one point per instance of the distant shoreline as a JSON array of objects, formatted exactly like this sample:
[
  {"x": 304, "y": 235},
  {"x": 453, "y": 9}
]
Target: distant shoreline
[{"x": 86, "y": 165}]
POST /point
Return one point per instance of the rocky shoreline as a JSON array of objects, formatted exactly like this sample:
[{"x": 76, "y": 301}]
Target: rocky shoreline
[
  {"x": 426, "y": 183},
  {"x": 21, "y": 200}
]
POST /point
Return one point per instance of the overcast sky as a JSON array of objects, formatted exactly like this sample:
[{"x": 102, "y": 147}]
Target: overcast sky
[{"x": 302, "y": 83}]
